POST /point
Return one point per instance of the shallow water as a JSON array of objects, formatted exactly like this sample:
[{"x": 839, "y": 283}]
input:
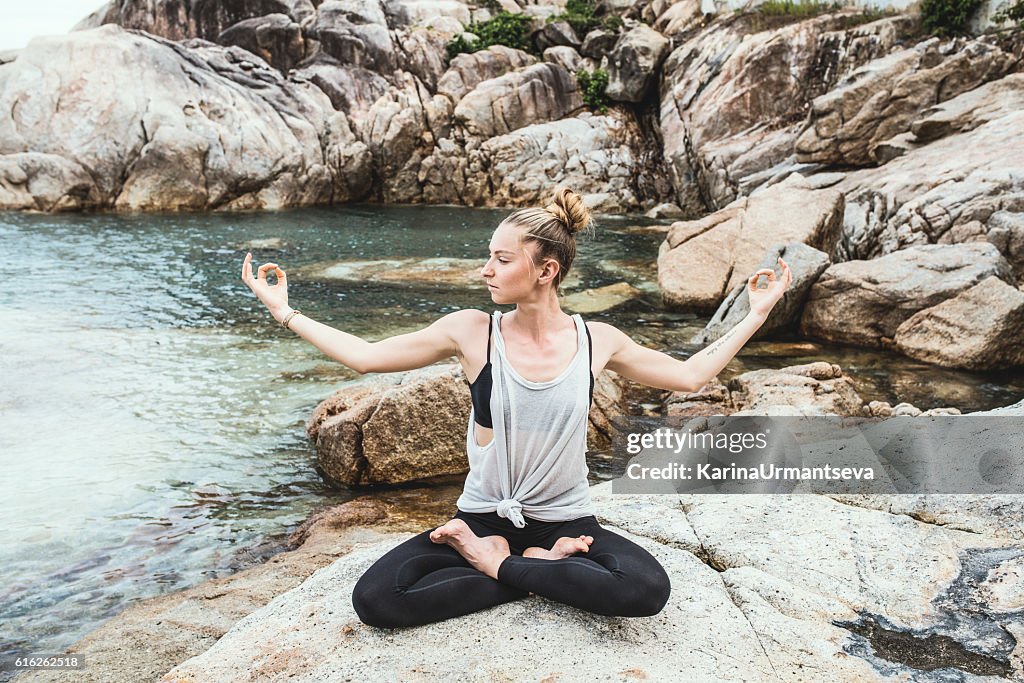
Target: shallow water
[{"x": 152, "y": 419}]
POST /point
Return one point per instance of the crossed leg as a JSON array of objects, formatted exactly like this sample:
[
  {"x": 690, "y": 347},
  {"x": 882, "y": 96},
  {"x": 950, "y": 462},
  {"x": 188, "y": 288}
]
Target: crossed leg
[
  {"x": 615, "y": 577},
  {"x": 420, "y": 582}
]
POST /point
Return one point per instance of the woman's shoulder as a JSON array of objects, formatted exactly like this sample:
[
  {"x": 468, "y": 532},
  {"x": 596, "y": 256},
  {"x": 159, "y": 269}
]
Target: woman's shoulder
[
  {"x": 606, "y": 336},
  {"x": 465, "y": 325},
  {"x": 604, "y": 330}
]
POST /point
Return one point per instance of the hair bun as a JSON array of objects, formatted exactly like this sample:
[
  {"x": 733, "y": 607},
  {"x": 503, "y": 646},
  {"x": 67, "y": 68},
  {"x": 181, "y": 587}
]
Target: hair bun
[{"x": 568, "y": 207}]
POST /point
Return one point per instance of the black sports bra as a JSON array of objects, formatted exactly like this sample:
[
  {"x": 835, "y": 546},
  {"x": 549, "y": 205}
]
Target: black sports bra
[{"x": 480, "y": 389}]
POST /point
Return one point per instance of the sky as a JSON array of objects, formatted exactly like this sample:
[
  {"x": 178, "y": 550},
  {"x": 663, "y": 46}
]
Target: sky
[{"x": 45, "y": 17}]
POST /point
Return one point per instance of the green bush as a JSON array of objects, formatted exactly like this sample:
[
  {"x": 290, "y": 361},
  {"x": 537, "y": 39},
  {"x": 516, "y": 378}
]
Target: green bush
[
  {"x": 1014, "y": 12},
  {"x": 799, "y": 9},
  {"x": 593, "y": 86},
  {"x": 505, "y": 28},
  {"x": 947, "y": 17},
  {"x": 581, "y": 15}
]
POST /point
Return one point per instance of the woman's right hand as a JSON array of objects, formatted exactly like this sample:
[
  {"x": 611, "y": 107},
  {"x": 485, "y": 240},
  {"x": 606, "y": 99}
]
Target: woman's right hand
[{"x": 273, "y": 296}]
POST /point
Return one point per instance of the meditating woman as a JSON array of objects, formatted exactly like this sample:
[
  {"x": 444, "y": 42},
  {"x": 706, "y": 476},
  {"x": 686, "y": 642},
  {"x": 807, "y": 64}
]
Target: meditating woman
[{"x": 525, "y": 522}]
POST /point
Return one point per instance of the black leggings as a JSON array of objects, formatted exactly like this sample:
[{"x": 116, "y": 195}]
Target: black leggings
[{"x": 419, "y": 581}]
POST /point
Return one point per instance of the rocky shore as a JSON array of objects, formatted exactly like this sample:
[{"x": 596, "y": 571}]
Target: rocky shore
[
  {"x": 882, "y": 164},
  {"x": 765, "y": 587}
]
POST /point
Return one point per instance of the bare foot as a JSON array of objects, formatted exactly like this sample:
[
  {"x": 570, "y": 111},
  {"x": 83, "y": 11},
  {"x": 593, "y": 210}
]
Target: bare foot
[
  {"x": 563, "y": 547},
  {"x": 485, "y": 554}
]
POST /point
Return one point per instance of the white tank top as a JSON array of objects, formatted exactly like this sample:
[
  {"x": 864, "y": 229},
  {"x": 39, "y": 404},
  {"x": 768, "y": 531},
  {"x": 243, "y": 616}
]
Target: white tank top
[{"x": 536, "y": 463}]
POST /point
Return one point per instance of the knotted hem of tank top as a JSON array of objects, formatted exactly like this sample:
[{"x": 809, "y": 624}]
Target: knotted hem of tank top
[{"x": 512, "y": 510}]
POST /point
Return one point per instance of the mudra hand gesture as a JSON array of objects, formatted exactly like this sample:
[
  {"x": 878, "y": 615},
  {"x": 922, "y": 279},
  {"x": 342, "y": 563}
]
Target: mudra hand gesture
[
  {"x": 274, "y": 296},
  {"x": 762, "y": 300}
]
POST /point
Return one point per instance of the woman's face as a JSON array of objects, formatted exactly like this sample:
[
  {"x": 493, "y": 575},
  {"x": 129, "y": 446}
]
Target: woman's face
[{"x": 510, "y": 273}]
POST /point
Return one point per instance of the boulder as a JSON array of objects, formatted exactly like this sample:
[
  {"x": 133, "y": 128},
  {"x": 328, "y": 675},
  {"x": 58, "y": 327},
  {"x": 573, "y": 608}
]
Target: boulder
[
  {"x": 355, "y": 32},
  {"x": 634, "y": 62},
  {"x": 864, "y": 302},
  {"x": 664, "y": 210},
  {"x": 728, "y": 244},
  {"x": 400, "y": 131},
  {"x": 535, "y": 94},
  {"x": 400, "y": 428},
  {"x": 31, "y": 181},
  {"x": 711, "y": 399},
  {"x": 351, "y": 89},
  {"x": 422, "y": 53},
  {"x": 275, "y": 38},
  {"x": 425, "y": 12},
  {"x": 598, "y": 43},
  {"x": 394, "y": 429},
  {"x": 555, "y": 33},
  {"x": 883, "y": 98},
  {"x": 818, "y": 388},
  {"x": 566, "y": 57},
  {"x": 979, "y": 329},
  {"x": 678, "y": 18},
  {"x": 806, "y": 264},
  {"x": 162, "y": 125},
  {"x": 974, "y": 108},
  {"x": 468, "y": 70},
  {"x": 181, "y": 20}
]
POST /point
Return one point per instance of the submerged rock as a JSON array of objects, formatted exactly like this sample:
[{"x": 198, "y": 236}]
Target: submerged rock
[
  {"x": 601, "y": 298},
  {"x": 437, "y": 270}
]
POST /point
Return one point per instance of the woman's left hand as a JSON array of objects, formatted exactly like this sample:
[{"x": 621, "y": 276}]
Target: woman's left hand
[{"x": 762, "y": 300}]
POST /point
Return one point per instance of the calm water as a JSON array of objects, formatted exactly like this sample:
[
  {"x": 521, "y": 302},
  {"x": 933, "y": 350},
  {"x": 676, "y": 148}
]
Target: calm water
[{"x": 152, "y": 417}]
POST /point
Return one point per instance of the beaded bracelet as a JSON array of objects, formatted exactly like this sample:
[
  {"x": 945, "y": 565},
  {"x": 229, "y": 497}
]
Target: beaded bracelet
[{"x": 288, "y": 318}]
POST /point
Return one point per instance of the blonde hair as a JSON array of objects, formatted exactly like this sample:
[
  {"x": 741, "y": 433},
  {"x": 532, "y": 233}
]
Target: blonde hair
[{"x": 554, "y": 229}]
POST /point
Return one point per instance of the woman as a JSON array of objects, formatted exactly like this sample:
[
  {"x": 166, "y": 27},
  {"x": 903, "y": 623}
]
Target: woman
[{"x": 525, "y": 522}]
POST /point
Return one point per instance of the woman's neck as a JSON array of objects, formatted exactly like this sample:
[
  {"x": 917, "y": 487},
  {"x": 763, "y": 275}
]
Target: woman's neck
[{"x": 539, "y": 320}]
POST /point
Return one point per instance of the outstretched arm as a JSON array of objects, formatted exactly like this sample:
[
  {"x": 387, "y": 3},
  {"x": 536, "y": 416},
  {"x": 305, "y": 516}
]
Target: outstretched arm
[
  {"x": 659, "y": 370},
  {"x": 401, "y": 352}
]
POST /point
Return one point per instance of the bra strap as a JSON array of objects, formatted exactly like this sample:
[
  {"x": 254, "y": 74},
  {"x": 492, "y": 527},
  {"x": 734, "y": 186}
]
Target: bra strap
[
  {"x": 590, "y": 358},
  {"x": 490, "y": 324}
]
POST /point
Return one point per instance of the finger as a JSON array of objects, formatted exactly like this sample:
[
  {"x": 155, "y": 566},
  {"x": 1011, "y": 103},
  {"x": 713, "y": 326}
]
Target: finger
[
  {"x": 245, "y": 265},
  {"x": 262, "y": 274}
]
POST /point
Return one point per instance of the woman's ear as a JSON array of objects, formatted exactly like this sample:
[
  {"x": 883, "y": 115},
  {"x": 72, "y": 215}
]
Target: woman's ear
[{"x": 548, "y": 271}]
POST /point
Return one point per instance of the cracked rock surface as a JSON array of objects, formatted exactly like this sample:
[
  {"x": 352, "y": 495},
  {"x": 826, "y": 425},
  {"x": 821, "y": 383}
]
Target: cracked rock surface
[{"x": 763, "y": 588}]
